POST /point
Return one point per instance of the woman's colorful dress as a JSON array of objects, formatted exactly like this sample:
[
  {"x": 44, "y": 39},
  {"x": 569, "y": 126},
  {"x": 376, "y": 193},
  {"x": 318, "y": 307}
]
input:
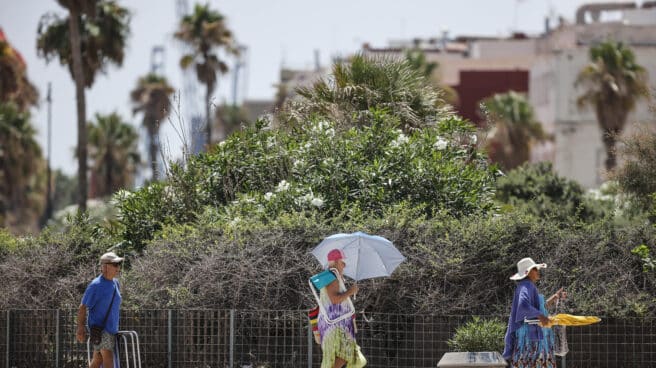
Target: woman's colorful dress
[
  {"x": 528, "y": 346},
  {"x": 338, "y": 339},
  {"x": 529, "y": 353}
]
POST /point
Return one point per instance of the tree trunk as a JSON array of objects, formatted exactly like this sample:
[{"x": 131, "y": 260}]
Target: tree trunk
[
  {"x": 610, "y": 140},
  {"x": 208, "y": 120},
  {"x": 109, "y": 168},
  {"x": 152, "y": 147},
  {"x": 78, "y": 75},
  {"x": 612, "y": 119}
]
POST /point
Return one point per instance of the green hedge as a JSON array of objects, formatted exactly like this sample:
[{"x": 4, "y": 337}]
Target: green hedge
[{"x": 454, "y": 266}]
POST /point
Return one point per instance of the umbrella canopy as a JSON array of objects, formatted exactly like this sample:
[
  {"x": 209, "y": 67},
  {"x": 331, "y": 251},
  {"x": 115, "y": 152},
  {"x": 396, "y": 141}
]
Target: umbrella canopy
[{"x": 367, "y": 256}]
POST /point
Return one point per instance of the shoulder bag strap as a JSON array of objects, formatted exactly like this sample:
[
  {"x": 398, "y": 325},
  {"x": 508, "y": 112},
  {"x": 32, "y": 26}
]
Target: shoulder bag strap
[{"x": 110, "y": 306}]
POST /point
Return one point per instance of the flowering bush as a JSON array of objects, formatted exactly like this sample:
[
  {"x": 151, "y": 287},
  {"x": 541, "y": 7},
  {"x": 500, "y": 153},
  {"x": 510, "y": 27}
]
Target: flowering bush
[{"x": 264, "y": 172}]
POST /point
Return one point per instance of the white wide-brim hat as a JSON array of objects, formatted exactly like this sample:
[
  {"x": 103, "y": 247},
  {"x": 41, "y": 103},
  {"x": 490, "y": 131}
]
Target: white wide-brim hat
[{"x": 525, "y": 266}]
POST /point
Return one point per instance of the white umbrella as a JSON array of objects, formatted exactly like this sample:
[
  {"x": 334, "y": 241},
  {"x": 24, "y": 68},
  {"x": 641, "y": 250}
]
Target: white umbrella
[{"x": 367, "y": 256}]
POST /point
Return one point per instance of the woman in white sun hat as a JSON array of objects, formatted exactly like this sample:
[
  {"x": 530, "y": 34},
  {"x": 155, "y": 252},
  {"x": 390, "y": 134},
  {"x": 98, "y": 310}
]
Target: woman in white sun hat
[{"x": 530, "y": 345}]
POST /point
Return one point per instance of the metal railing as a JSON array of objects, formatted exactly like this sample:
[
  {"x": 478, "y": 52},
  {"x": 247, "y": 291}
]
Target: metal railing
[{"x": 237, "y": 338}]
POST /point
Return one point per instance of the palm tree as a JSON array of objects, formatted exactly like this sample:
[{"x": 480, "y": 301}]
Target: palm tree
[
  {"x": 21, "y": 167},
  {"x": 94, "y": 34},
  {"x": 14, "y": 85},
  {"x": 205, "y": 31},
  {"x": 151, "y": 96},
  {"x": 613, "y": 84},
  {"x": 515, "y": 128},
  {"x": 366, "y": 82},
  {"x": 418, "y": 61},
  {"x": 114, "y": 153}
]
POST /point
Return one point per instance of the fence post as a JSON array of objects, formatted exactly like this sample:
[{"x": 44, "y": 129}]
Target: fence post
[
  {"x": 8, "y": 337},
  {"x": 169, "y": 349},
  {"x": 232, "y": 338},
  {"x": 310, "y": 341},
  {"x": 57, "y": 338}
]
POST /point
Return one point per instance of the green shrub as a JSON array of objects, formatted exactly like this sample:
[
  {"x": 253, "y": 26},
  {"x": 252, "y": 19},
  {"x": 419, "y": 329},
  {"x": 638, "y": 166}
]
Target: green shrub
[
  {"x": 538, "y": 190},
  {"x": 479, "y": 335},
  {"x": 636, "y": 174},
  {"x": 8, "y": 243}
]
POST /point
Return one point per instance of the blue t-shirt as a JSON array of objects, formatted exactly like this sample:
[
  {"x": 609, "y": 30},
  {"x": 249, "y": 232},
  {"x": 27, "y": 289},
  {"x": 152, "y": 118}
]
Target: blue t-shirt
[{"x": 97, "y": 298}]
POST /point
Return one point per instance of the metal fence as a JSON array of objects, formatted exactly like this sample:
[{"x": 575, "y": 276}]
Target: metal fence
[{"x": 234, "y": 338}]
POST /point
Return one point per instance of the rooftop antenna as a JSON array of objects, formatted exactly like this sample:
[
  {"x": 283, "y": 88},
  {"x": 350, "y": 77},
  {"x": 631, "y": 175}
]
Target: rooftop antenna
[{"x": 157, "y": 57}]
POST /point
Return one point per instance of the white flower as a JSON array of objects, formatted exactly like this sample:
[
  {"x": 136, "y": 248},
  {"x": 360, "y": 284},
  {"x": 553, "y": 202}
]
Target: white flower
[
  {"x": 297, "y": 163},
  {"x": 307, "y": 198},
  {"x": 473, "y": 138},
  {"x": 317, "y": 202},
  {"x": 268, "y": 196},
  {"x": 271, "y": 141},
  {"x": 307, "y": 145},
  {"x": 235, "y": 221},
  {"x": 282, "y": 186},
  {"x": 268, "y": 119},
  {"x": 221, "y": 143},
  {"x": 330, "y": 132},
  {"x": 440, "y": 144},
  {"x": 401, "y": 139}
]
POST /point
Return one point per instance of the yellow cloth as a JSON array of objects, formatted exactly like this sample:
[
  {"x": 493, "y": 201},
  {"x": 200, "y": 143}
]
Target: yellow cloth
[{"x": 563, "y": 319}]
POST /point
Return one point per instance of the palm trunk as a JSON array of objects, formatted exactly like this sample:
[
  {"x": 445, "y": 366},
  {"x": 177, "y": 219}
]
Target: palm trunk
[
  {"x": 152, "y": 147},
  {"x": 78, "y": 75},
  {"x": 611, "y": 118},
  {"x": 109, "y": 185},
  {"x": 208, "y": 120},
  {"x": 610, "y": 140}
]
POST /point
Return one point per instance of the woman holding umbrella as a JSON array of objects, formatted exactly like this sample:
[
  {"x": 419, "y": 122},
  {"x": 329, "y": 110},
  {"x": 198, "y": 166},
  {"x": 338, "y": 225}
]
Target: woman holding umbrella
[
  {"x": 338, "y": 339},
  {"x": 530, "y": 345}
]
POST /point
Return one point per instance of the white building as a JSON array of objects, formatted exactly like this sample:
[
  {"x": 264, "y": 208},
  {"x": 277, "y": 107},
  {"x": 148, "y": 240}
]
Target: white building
[{"x": 577, "y": 150}]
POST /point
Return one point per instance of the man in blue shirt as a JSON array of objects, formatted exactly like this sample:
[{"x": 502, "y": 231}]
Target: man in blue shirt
[{"x": 102, "y": 298}]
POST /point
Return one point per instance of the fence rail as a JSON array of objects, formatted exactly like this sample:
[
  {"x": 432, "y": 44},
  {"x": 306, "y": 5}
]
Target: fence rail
[{"x": 237, "y": 338}]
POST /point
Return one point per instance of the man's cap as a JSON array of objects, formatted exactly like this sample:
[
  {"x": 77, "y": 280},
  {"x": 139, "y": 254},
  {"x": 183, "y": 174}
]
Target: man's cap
[{"x": 110, "y": 257}]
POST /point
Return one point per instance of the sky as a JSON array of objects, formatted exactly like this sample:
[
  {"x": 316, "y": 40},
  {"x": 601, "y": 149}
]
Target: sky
[{"x": 276, "y": 33}]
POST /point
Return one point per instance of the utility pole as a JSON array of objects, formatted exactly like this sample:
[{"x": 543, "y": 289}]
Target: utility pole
[{"x": 47, "y": 214}]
